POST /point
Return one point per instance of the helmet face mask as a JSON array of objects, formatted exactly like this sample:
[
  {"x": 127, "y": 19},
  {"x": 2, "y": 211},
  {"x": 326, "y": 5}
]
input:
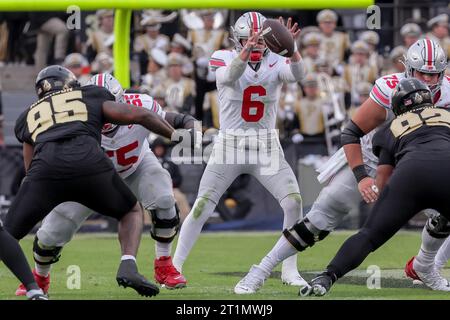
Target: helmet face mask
[
  {"x": 242, "y": 30},
  {"x": 426, "y": 56},
  {"x": 110, "y": 83}
]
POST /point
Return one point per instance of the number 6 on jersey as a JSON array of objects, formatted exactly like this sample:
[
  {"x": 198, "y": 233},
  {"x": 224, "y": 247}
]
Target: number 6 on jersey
[{"x": 252, "y": 111}]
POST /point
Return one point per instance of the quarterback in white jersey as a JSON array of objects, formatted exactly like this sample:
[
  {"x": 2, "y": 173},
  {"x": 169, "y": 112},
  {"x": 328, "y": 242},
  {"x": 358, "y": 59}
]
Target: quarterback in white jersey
[
  {"x": 249, "y": 80},
  {"x": 350, "y": 176},
  {"x": 128, "y": 149}
]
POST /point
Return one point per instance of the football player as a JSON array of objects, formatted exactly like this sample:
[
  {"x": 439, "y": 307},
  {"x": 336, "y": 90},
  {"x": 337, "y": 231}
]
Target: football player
[
  {"x": 128, "y": 149},
  {"x": 61, "y": 135},
  {"x": 347, "y": 183},
  {"x": 249, "y": 79},
  {"x": 413, "y": 147}
]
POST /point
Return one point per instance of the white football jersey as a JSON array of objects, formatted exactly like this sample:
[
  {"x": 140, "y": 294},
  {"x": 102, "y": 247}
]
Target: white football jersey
[
  {"x": 252, "y": 101},
  {"x": 129, "y": 143},
  {"x": 381, "y": 93}
]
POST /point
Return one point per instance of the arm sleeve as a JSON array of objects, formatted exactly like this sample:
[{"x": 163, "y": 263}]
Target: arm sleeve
[
  {"x": 229, "y": 74},
  {"x": 292, "y": 72}
]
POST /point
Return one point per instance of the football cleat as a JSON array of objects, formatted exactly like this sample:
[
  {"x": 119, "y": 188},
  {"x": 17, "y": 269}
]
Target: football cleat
[
  {"x": 431, "y": 278},
  {"x": 293, "y": 279},
  {"x": 319, "y": 286},
  {"x": 167, "y": 275},
  {"x": 252, "y": 282},
  {"x": 42, "y": 282},
  {"x": 39, "y": 296},
  {"x": 128, "y": 276}
]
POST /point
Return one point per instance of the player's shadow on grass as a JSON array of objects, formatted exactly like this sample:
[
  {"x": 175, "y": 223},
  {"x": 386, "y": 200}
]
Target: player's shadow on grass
[{"x": 398, "y": 280}]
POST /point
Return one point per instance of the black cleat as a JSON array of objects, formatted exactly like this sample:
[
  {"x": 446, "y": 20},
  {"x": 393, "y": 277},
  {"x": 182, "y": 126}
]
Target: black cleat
[
  {"x": 319, "y": 286},
  {"x": 128, "y": 276}
]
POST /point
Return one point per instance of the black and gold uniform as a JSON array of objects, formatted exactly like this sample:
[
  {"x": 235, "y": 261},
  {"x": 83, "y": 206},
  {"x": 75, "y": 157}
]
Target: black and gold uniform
[
  {"x": 68, "y": 163},
  {"x": 415, "y": 148}
]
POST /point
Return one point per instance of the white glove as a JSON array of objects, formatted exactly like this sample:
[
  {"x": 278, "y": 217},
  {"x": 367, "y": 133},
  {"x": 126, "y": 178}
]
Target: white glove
[{"x": 297, "y": 138}]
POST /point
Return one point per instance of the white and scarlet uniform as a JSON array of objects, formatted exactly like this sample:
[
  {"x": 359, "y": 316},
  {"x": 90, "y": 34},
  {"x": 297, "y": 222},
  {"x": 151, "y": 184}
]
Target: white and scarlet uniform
[
  {"x": 250, "y": 104},
  {"x": 247, "y": 116},
  {"x": 341, "y": 194},
  {"x": 129, "y": 151}
]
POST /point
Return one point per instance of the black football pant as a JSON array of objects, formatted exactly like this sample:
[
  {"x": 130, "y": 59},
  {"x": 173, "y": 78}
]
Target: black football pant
[
  {"x": 105, "y": 193},
  {"x": 415, "y": 185}
]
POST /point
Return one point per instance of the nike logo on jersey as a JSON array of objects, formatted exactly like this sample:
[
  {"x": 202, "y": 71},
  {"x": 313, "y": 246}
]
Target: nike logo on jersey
[{"x": 272, "y": 64}]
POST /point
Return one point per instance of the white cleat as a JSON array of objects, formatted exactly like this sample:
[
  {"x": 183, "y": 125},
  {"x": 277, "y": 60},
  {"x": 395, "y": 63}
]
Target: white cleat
[
  {"x": 252, "y": 282},
  {"x": 293, "y": 279},
  {"x": 434, "y": 280}
]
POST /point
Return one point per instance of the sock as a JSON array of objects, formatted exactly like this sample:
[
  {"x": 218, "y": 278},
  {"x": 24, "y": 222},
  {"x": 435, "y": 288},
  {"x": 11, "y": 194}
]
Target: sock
[
  {"x": 443, "y": 255},
  {"x": 282, "y": 250},
  {"x": 128, "y": 257},
  {"x": 162, "y": 249},
  {"x": 42, "y": 270},
  {"x": 428, "y": 250},
  {"x": 292, "y": 208},
  {"x": 191, "y": 228},
  {"x": 12, "y": 256}
]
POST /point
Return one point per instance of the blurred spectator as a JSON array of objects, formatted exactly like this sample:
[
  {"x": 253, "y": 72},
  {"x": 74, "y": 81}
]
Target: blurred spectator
[
  {"x": 372, "y": 39},
  {"x": 410, "y": 32},
  {"x": 49, "y": 25},
  {"x": 311, "y": 52},
  {"x": 204, "y": 42},
  {"x": 362, "y": 90},
  {"x": 101, "y": 39},
  {"x": 334, "y": 44},
  {"x": 358, "y": 69},
  {"x": 396, "y": 58},
  {"x": 151, "y": 20},
  {"x": 152, "y": 38},
  {"x": 180, "y": 92},
  {"x": 287, "y": 120},
  {"x": 103, "y": 63},
  {"x": 438, "y": 27},
  {"x": 156, "y": 74},
  {"x": 182, "y": 46},
  {"x": 211, "y": 110},
  {"x": 309, "y": 109},
  {"x": 79, "y": 65},
  {"x": 159, "y": 148}
]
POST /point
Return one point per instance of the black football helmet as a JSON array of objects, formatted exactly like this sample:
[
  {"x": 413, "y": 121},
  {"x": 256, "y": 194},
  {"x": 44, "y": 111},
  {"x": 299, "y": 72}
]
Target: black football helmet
[
  {"x": 410, "y": 94},
  {"x": 54, "y": 78}
]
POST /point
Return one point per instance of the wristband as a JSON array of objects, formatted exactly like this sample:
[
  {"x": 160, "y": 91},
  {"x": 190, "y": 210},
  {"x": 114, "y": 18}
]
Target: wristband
[{"x": 360, "y": 172}]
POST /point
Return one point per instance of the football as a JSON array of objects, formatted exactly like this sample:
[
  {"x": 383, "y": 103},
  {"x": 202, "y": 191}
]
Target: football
[{"x": 278, "y": 38}]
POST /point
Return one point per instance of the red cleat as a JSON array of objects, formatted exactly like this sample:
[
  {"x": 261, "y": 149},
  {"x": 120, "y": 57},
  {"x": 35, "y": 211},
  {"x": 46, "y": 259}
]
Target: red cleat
[
  {"x": 409, "y": 270},
  {"x": 42, "y": 282},
  {"x": 167, "y": 275}
]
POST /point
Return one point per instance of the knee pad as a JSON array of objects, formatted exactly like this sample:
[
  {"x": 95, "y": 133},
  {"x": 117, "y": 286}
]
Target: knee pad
[
  {"x": 164, "y": 230},
  {"x": 438, "y": 227},
  {"x": 303, "y": 234},
  {"x": 45, "y": 255}
]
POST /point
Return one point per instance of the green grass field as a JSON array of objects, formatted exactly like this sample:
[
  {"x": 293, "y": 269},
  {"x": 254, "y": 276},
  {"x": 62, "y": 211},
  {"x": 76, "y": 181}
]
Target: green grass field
[{"x": 216, "y": 264}]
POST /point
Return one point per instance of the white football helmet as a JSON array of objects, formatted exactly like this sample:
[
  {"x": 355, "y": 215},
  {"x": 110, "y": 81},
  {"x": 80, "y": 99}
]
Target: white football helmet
[
  {"x": 242, "y": 31},
  {"x": 110, "y": 83},
  {"x": 426, "y": 56}
]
